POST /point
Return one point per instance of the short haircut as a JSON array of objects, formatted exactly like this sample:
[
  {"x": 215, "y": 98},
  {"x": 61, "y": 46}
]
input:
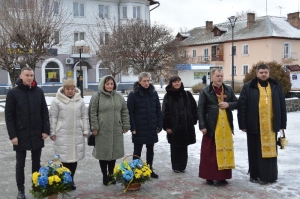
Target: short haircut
[
  {"x": 262, "y": 66},
  {"x": 107, "y": 79},
  {"x": 215, "y": 70},
  {"x": 26, "y": 68},
  {"x": 68, "y": 83},
  {"x": 174, "y": 79},
  {"x": 144, "y": 74}
]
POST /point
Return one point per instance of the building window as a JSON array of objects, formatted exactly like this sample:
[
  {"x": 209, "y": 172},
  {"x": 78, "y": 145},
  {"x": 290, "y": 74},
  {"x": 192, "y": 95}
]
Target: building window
[
  {"x": 245, "y": 49},
  {"x": 287, "y": 50},
  {"x": 52, "y": 72},
  {"x": 103, "y": 11},
  {"x": 185, "y": 54},
  {"x": 103, "y": 72},
  {"x": 78, "y": 36},
  {"x": 234, "y": 70},
  {"x": 136, "y": 12},
  {"x": 104, "y": 38},
  {"x": 198, "y": 75},
  {"x": 16, "y": 73},
  {"x": 234, "y": 50},
  {"x": 245, "y": 69},
  {"x": 205, "y": 54},
  {"x": 78, "y": 9},
  {"x": 124, "y": 11},
  {"x": 55, "y": 7},
  {"x": 56, "y": 37},
  {"x": 194, "y": 53}
]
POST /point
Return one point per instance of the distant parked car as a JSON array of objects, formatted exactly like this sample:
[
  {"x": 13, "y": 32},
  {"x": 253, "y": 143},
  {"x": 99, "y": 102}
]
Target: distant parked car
[{"x": 125, "y": 87}]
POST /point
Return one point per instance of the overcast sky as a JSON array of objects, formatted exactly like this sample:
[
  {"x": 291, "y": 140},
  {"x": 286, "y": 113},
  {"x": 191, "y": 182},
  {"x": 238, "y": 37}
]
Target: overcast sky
[{"x": 188, "y": 14}]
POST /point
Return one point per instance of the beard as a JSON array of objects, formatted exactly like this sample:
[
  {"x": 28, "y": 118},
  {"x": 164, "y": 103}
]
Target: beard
[{"x": 262, "y": 81}]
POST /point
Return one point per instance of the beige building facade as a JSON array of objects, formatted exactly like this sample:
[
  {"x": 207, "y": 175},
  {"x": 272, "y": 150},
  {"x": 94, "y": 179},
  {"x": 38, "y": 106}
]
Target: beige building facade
[{"x": 264, "y": 38}]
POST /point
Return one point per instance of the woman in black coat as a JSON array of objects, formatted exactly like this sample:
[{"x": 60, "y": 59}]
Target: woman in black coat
[{"x": 179, "y": 117}]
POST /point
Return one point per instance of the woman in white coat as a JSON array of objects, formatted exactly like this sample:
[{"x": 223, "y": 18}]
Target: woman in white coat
[{"x": 69, "y": 125}]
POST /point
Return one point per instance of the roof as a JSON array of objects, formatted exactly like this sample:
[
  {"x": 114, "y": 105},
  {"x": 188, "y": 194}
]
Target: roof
[
  {"x": 152, "y": 2},
  {"x": 266, "y": 26},
  {"x": 294, "y": 67}
]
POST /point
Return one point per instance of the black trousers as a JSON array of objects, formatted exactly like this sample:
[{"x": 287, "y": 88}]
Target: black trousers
[
  {"x": 20, "y": 165},
  {"x": 107, "y": 164},
  {"x": 179, "y": 157},
  {"x": 149, "y": 153},
  {"x": 72, "y": 167}
]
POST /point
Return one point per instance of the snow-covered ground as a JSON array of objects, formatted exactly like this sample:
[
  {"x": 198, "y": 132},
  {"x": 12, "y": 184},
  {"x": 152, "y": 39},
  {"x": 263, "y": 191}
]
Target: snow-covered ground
[{"x": 287, "y": 186}]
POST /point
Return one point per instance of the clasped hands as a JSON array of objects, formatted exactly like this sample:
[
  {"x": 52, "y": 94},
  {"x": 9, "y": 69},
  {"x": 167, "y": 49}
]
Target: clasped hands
[{"x": 15, "y": 140}]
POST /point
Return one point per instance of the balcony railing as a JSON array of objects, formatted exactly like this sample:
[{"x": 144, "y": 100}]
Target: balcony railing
[
  {"x": 293, "y": 56},
  {"x": 199, "y": 59},
  {"x": 85, "y": 49}
]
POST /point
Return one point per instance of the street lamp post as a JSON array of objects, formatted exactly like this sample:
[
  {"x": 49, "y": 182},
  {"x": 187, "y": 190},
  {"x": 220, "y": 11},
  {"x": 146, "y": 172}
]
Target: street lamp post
[
  {"x": 80, "y": 44},
  {"x": 232, "y": 20}
]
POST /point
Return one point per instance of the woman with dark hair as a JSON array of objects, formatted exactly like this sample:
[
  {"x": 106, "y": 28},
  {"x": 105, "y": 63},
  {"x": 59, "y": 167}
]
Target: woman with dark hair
[
  {"x": 179, "y": 117},
  {"x": 109, "y": 118}
]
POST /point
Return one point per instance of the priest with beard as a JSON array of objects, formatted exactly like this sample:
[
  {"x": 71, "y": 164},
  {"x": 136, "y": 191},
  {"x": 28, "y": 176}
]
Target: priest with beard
[{"x": 261, "y": 114}]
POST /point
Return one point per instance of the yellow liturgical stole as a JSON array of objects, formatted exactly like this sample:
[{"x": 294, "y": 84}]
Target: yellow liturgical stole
[
  {"x": 224, "y": 141},
  {"x": 267, "y": 134}
]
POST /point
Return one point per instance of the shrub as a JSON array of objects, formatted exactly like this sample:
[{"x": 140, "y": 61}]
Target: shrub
[
  {"x": 276, "y": 72},
  {"x": 197, "y": 88},
  {"x": 238, "y": 88}
]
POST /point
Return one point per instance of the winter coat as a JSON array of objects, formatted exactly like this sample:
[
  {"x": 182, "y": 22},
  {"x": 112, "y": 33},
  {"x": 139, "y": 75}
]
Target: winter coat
[
  {"x": 248, "y": 113},
  {"x": 208, "y": 109},
  {"x": 26, "y": 116},
  {"x": 69, "y": 122},
  {"x": 111, "y": 119},
  {"x": 180, "y": 115},
  {"x": 145, "y": 114}
]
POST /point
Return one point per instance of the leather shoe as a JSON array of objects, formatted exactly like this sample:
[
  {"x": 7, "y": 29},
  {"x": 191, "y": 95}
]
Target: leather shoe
[
  {"x": 209, "y": 182},
  {"x": 154, "y": 175},
  {"x": 21, "y": 195},
  {"x": 221, "y": 182},
  {"x": 176, "y": 171},
  {"x": 253, "y": 180},
  {"x": 111, "y": 179},
  {"x": 263, "y": 182}
]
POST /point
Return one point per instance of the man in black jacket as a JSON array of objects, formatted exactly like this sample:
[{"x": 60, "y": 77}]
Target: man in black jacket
[
  {"x": 27, "y": 122},
  {"x": 145, "y": 117},
  {"x": 216, "y": 102},
  {"x": 261, "y": 114}
]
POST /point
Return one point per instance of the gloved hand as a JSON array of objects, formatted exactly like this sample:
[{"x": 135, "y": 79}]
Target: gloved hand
[{"x": 158, "y": 129}]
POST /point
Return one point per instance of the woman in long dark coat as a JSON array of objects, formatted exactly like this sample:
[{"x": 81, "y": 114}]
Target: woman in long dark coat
[{"x": 179, "y": 117}]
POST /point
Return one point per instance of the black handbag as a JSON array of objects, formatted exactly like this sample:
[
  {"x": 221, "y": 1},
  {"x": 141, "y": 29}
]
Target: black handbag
[{"x": 91, "y": 140}]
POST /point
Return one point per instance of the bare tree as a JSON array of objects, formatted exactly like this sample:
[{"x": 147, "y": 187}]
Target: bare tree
[
  {"x": 28, "y": 29},
  {"x": 150, "y": 48},
  {"x": 138, "y": 45},
  {"x": 105, "y": 37}
]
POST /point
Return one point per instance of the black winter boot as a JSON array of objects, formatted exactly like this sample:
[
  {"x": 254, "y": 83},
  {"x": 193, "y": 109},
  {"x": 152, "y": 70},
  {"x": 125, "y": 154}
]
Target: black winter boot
[{"x": 111, "y": 180}]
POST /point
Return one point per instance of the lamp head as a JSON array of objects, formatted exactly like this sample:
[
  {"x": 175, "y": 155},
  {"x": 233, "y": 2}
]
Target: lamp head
[
  {"x": 80, "y": 43},
  {"x": 232, "y": 20}
]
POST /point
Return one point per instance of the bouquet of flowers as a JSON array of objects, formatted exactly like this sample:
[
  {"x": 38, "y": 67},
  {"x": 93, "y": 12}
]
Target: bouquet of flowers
[
  {"x": 135, "y": 171},
  {"x": 52, "y": 179}
]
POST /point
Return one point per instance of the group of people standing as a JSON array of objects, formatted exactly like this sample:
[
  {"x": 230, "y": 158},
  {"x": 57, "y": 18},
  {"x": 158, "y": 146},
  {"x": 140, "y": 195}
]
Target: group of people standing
[{"x": 261, "y": 114}]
